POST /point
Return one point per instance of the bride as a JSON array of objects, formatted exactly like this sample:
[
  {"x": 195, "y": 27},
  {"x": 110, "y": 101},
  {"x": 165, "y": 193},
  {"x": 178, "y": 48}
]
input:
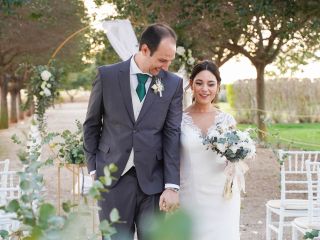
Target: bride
[{"x": 202, "y": 170}]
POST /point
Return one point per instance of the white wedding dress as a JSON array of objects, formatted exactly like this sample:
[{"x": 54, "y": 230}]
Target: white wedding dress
[{"x": 202, "y": 183}]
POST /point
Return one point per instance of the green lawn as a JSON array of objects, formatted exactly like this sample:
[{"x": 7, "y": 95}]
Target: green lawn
[{"x": 281, "y": 135}]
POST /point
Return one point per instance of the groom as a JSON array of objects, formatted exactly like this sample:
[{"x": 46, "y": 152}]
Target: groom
[{"x": 133, "y": 120}]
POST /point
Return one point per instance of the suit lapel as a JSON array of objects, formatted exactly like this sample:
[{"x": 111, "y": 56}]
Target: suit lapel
[
  {"x": 124, "y": 81},
  {"x": 150, "y": 97}
]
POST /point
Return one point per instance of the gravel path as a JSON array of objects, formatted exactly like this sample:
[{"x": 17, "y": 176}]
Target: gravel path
[{"x": 262, "y": 180}]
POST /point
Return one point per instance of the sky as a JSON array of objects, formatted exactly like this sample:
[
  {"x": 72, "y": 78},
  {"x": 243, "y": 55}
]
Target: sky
[
  {"x": 242, "y": 68},
  {"x": 236, "y": 68}
]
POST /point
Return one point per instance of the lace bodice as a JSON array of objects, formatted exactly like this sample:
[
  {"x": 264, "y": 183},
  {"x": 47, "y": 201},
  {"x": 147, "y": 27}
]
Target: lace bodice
[{"x": 222, "y": 119}]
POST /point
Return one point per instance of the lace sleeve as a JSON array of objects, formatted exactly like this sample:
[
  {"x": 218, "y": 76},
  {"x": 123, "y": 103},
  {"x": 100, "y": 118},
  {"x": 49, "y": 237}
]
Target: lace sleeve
[
  {"x": 228, "y": 120},
  {"x": 231, "y": 120}
]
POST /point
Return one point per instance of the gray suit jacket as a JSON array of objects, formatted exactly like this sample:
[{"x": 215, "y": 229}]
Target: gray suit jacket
[{"x": 110, "y": 130}]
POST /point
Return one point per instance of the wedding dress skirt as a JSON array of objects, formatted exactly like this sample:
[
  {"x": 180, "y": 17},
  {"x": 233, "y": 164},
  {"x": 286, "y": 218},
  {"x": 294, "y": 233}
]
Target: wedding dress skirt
[{"x": 202, "y": 183}]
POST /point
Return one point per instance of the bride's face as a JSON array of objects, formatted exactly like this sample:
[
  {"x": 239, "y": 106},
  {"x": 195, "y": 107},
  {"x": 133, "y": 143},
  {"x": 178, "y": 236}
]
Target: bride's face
[{"x": 204, "y": 87}]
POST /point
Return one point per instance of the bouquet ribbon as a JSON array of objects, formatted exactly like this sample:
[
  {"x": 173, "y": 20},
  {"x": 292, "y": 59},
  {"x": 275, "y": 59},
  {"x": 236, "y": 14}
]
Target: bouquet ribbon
[{"x": 234, "y": 171}]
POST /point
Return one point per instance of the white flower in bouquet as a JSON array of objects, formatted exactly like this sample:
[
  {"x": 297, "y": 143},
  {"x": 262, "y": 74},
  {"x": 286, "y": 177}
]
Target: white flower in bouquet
[
  {"x": 234, "y": 148},
  {"x": 180, "y": 50},
  {"x": 222, "y": 147},
  {"x": 47, "y": 92},
  {"x": 49, "y": 85},
  {"x": 45, "y": 75},
  {"x": 214, "y": 133},
  {"x": 243, "y": 135}
]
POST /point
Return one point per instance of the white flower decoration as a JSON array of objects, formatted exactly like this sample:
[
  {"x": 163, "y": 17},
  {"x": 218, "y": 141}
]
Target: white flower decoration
[
  {"x": 158, "y": 87},
  {"x": 233, "y": 148},
  {"x": 45, "y": 75},
  {"x": 191, "y": 61},
  {"x": 43, "y": 85},
  {"x": 243, "y": 135},
  {"x": 181, "y": 51},
  {"x": 47, "y": 92},
  {"x": 222, "y": 147}
]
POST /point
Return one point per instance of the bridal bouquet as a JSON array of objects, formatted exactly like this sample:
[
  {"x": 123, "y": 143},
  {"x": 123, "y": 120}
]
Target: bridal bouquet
[{"x": 235, "y": 146}]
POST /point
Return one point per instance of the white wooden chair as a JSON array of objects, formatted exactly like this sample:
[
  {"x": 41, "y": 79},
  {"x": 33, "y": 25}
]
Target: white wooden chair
[
  {"x": 7, "y": 193},
  {"x": 312, "y": 221},
  {"x": 293, "y": 199},
  {"x": 4, "y": 167}
]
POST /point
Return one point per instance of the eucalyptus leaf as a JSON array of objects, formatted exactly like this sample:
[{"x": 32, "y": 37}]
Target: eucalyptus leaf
[
  {"x": 25, "y": 185},
  {"x": 114, "y": 215},
  {"x": 4, "y": 234},
  {"x": 113, "y": 168},
  {"x": 46, "y": 211},
  {"x": 13, "y": 206}
]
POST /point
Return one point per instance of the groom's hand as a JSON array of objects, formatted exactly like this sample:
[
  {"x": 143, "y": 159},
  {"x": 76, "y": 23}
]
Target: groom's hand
[
  {"x": 93, "y": 177},
  {"x": 169, "y": 200}
]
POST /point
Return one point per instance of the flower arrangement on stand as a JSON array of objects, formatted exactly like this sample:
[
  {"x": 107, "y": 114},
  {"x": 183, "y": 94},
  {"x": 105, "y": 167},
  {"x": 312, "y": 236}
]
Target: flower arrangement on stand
[
  {"x": 70, "y": 155},
  {"x": 235, "y": 146},
  {"x": 42, "y": 89},
  {"x": 71, "y": 148},
  {"x": 185, "y": 59}
]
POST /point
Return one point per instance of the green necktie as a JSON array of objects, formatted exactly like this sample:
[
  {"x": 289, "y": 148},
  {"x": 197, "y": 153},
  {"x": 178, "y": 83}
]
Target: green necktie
[{"x": 141, "y": 89}]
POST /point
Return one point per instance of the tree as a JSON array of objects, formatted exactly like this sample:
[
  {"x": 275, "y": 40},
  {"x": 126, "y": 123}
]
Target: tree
[
  {"x": 269, "y": 30},
  {"x": 264, "y": 31},
  {"x": 31, "y": 31}
]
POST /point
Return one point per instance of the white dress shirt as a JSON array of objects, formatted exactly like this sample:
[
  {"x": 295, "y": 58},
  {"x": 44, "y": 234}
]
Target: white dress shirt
[{"x": 137, "y": 105}]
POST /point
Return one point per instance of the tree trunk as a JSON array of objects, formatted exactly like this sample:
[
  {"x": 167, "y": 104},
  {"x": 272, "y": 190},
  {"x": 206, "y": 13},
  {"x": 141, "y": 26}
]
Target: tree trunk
[
  {"x": 21, "y": 113},
  {"x": 4, "y": 123},
  {"x": 13, "y": 112},
  {"x": 30, "y": 109},
  {"x": 70, "y": 96},
  {"x": 261, "y": 114}
]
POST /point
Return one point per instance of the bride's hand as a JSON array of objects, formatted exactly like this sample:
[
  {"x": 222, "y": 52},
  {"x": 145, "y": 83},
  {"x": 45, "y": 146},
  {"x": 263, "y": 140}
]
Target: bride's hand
[{"x": 169, "y": 200}]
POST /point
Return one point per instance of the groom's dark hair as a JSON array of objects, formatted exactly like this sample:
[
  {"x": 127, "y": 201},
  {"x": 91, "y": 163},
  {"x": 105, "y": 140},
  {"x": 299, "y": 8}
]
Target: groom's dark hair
[{"x": 153, "y": 35}]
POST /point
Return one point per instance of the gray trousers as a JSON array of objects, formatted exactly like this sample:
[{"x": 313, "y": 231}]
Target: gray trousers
[{"x": 136, "y": 208}]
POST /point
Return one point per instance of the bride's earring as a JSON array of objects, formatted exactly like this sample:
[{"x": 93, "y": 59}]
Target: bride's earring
[
  {"x": 216, "y": 96},
  {"x": 192, "y": 95}
]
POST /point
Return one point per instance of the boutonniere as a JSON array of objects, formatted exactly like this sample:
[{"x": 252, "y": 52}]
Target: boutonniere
[{"x": 158, "y": 86}]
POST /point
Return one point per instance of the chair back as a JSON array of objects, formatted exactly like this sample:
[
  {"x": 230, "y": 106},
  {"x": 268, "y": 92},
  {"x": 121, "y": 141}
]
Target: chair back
[
  {"x": 313, "y": 175},
  {"x": 4, "y": 167},
  {"x": 294, "y": 182},
  {"x": 11, "y": 190}
]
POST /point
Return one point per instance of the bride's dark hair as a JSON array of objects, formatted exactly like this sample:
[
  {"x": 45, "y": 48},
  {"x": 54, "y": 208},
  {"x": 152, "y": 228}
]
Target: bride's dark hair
[{"x": 206, "y": 65}]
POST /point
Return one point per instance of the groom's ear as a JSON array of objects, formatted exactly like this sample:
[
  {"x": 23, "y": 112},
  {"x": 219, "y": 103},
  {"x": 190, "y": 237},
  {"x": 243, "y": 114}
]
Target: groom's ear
[{"x": 145, "y": 50}]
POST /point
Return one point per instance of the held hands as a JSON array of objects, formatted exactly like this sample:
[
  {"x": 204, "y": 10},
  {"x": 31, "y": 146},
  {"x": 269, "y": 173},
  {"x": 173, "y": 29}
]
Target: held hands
[
  {"x": 93, "y": 177},
  {"x": 169, "y": 200}
]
